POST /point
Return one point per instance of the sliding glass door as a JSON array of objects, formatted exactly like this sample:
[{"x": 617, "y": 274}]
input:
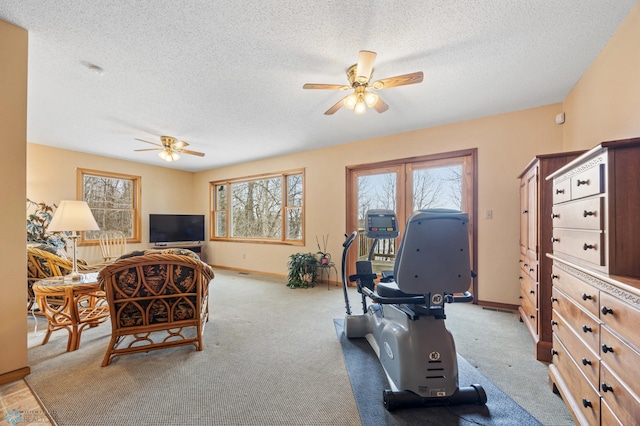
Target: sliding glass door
[{"x": 438, "y": 181}]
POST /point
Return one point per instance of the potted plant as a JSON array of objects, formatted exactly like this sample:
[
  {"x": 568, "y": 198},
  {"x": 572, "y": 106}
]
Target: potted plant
[
  {"x": 38, "y": 222},
  {"x": 303, "y": 270},
  {"x": 323, "y": 256}
]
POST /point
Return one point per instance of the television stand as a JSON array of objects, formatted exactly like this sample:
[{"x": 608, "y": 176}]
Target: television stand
[{"x": 195, "y": 247}]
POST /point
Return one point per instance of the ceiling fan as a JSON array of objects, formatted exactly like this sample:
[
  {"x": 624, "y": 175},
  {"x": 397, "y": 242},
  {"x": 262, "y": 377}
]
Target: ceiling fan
[
  {"x": 359, "y": 76},
  {"x": 169, "y": 148}
]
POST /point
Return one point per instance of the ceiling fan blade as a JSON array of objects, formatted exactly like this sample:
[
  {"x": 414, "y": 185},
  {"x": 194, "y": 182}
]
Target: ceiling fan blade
[
  {"x": 380, "y": 106},
  {"x": 336, "y": 107},
  {"x": 186, "y": 151},
  {"x": 326, "y": 86},
  {"x": 149, "y": 149},
  {"x": 399, "y": 80},
  {"x": 152, "y": 143},
  {"x": 180, "y": 144},
  {"x": 365, "y": 65}
]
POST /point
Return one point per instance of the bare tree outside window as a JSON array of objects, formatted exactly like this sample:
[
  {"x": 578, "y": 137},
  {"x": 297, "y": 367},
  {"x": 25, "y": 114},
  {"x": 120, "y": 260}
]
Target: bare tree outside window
[
  {"x": 113, "y": 200},
  {"x": 266, "y": 208},
  {"x": 437, "y": 187}
]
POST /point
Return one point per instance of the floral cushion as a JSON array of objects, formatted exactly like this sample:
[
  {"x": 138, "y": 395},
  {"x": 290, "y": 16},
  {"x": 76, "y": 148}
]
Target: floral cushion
[{"x": 145, "y": 283}]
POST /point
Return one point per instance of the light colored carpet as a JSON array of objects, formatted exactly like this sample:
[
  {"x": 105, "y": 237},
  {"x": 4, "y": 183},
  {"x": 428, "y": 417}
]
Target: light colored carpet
[{"x": 271, "y": 357}]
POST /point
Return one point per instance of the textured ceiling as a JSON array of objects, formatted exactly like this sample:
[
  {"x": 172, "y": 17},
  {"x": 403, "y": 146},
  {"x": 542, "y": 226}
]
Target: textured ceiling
[{"x": 227, "y": 76}]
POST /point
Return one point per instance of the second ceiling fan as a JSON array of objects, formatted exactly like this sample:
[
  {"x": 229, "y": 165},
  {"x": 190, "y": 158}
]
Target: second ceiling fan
[
  {"x": 359, "y": 76},
  {"x": 169, "y": 148}
]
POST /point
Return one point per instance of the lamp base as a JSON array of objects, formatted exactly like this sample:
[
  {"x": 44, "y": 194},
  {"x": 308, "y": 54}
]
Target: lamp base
[{"x": 72, "y": 277}]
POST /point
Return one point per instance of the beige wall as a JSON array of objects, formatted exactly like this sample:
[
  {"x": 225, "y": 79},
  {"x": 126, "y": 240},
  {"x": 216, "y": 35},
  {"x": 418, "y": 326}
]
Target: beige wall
[
  {"x": 13, "y": 257},
  {"x": 51, "y": 177},
  {"x": 605, "y": 104},
  {"x": 506, "y": 143}
]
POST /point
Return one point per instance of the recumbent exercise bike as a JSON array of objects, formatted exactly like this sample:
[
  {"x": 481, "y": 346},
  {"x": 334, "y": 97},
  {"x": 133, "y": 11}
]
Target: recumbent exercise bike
[{"x": 404, "y": 324}]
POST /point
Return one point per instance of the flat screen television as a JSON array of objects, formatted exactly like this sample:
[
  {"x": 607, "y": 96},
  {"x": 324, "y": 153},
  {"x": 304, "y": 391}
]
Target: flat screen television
[{"x": 171, "y": 228}]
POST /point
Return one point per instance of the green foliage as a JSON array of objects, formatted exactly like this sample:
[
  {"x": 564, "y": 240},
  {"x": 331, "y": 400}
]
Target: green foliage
[
  {"x": 303, "y": 270},
  {"x": 38, "y": 222}
]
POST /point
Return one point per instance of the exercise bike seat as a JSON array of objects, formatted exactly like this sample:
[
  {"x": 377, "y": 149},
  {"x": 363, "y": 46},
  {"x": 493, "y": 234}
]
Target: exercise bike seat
[
  {"x": 433, "y": 256},
  {"x": 390, "y": 289}
]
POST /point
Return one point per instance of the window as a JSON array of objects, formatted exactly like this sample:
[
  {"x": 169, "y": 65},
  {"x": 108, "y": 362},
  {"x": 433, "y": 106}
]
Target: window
[
  {"x": 114, "y": 200},
  {"x": 266, "y": 208}
]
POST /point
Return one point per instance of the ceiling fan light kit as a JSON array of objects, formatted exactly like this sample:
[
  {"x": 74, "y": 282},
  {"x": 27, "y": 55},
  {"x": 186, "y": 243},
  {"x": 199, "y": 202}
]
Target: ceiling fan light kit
[
  {"x": 168, "y": 155},
  {"x": 359, "y": 76}
]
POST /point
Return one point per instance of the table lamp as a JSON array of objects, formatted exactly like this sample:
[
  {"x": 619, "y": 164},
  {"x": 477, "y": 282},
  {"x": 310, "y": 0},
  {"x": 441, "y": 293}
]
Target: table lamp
[{"x": 73, "y": 216}]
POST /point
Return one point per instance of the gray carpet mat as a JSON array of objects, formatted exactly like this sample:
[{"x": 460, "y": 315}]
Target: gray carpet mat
[{"x": 368, "y": 381}]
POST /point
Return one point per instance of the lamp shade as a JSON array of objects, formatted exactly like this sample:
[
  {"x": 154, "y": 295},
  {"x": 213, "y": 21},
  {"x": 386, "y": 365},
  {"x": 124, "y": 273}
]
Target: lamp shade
[{"x": 73, "y": 215}]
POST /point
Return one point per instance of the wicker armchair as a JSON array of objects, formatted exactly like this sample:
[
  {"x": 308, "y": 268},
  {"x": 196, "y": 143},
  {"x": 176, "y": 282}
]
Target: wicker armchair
[
  {"x": 156, "y": 299},
  {"x": 43, "y": 264}
]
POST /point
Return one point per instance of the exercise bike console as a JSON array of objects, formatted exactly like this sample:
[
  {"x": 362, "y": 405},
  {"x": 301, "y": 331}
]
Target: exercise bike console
[{"x": 404, "y": 324}]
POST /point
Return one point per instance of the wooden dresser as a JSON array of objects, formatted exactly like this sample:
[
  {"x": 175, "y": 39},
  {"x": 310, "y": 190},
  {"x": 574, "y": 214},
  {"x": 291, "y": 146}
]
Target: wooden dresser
[
  {"x": 596, "y": 286},
  {"x": 534, "y": 277}
]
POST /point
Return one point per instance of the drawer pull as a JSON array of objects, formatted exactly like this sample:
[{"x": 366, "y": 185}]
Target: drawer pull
[
  {"x": 554, "y": 323},
  {"x": 606, "y": 348},
  {"x": 587, "y": 329},
  {"x": 606, "y": 388},
  {"x": 588, "y": 246},
  {"x": 586, "y": 403},
  {"x": 520, "y": 278},
  {"x": 559, "y": 191},
  {"x": 586, "y": 296},
  {"x": 554, "y": 276},
  {"x": 554, "y": 299},
  {"x": 586, "y": 213},
  {"x": 520, "y": 261},
  {"x": 532, "y": 316},
  {"x": 586, "y": 361},
  {"x": 525, "y": 265},
  {"x": 555, "y": 240},
  {"x": 532, "y": 291},
  {"x": 525, "y": 211},
  {"x": 554, "y": 215},
  {"x": 519, "y": 297},
  {"x": 554, "y": 352},
  {"x": 606, "y": 311},
  {"x": 582, "y": 182}
]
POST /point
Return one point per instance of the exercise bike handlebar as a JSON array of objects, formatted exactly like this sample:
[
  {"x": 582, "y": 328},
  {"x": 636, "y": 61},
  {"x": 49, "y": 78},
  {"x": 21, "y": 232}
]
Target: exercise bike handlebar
[{"x": 347, "y": 244}]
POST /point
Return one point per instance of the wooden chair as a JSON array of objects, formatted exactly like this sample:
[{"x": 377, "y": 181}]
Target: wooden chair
[
  {"x": 44, "y": 264},
  {"x": 113, "y": 245},
  {"x": 156, "y": 298}
]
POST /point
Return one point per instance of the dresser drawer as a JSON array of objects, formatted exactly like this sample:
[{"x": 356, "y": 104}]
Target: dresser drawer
[
  {"x": 582, "y": 293},
  {"x": 586, "y": 359},
  {"x": 606, "y": 415},
  {"x": 580, "y": 321},
  {"x": 621, "y": 400},
  {"x": 561, "y": 190},
  {"x": 620, "y": 358},
  {"x": 588, "y": 182},
  {"x": 529, "y": 313},
  {"x": 529, "y": 290},
  {"x": 621, "y": 318},
  {"x": 582, "y": 214},
  {"x": 586, "y": 398},
  {"x": 585, "y": 245}
]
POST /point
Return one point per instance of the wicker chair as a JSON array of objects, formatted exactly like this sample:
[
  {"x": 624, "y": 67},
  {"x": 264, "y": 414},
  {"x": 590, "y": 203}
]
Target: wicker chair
[
  {"x": 113, "y": 244},
  {"x": 156, "y": 298},
  {"x": 44, "y": 264}
]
